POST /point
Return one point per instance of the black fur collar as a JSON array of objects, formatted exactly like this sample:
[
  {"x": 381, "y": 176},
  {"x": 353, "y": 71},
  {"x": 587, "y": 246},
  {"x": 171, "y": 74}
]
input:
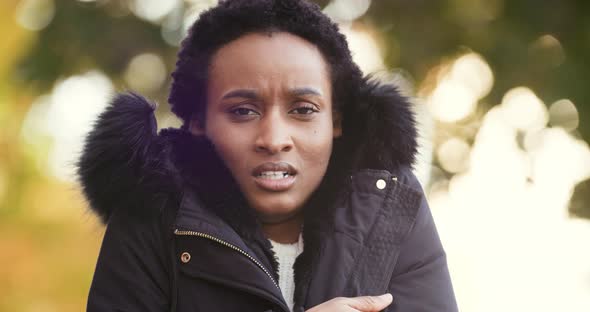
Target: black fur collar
[{"x": 125, "y": 160}]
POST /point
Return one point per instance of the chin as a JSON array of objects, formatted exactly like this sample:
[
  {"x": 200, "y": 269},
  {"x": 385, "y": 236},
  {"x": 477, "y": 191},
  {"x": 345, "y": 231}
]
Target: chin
[{"x": 275, "y": 206}]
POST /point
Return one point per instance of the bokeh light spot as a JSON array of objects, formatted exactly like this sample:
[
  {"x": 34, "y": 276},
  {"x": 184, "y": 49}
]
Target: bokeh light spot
[
  {"x": 35, "y": 14},
  {"x": 452, "y": 101},
  {"x": 564, "y": 114},
  {"x": 365, "y": 51},
  {"x": 474, "y": 72},
  {"x": 346, "y": 10},
  {"x": 65, "y": 117},
  {"x": 524, "y": 110},
  {"x": 453, "y": 155},
  {"x": 145, "y": 73},
  {"x": 152, "y": 10}
]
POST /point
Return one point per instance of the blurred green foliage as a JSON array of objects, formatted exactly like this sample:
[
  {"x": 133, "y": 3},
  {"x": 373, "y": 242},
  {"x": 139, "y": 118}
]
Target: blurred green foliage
[{"x": 417, "y": 35}]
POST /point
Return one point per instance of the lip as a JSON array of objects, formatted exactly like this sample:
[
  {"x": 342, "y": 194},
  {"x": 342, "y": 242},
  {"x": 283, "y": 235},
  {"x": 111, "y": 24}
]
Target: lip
[{"x": 275, "y": 185}]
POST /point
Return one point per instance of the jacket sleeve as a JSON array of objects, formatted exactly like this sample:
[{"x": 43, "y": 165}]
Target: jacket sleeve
[
  {"x": 131, "y": 271},
  {"x": 421, "y": 280}
]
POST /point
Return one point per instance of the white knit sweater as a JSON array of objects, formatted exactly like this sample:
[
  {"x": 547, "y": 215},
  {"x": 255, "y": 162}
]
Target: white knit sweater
[{"x": 286, "y": 254}]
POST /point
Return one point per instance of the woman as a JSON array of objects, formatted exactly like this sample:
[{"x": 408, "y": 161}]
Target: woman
[{"x": 286, "y": 155}]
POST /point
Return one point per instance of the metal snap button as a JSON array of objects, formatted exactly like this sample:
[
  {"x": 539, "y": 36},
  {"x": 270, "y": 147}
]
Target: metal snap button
[
  {"x": 185, "y": 257},
  {"x": 380, "y": 184}
]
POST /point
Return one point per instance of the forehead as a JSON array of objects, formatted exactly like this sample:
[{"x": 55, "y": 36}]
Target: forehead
[{"x": 267, "y": 58}]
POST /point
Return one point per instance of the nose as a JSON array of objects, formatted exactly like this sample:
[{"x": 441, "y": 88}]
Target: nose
[{"x": 273, "y": 135}]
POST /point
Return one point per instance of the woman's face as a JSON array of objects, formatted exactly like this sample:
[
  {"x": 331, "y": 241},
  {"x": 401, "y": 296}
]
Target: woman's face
[{"x": 269, "y": 115}]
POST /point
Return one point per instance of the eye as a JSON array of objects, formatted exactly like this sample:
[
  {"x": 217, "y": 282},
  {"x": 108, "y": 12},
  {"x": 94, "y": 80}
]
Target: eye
[
  {"x": 242, "y": 111},
  {"x": 305, "y": 110}
]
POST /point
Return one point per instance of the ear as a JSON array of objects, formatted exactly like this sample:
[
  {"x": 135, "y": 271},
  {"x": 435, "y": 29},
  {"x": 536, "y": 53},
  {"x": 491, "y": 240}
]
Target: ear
[
  {"x": 337, "y": 122},
  {"x": 196, "y": 128}
]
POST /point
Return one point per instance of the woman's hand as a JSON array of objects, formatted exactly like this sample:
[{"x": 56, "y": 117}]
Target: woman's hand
[{"x": 354, "y": 304}]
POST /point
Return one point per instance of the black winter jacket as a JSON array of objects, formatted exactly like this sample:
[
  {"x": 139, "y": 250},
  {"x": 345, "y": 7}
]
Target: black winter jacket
[{"x": 180, "y": 236}]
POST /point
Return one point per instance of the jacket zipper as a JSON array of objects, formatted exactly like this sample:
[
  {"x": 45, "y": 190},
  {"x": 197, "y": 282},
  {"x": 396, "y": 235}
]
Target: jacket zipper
[{"x": 226, "y": 244}]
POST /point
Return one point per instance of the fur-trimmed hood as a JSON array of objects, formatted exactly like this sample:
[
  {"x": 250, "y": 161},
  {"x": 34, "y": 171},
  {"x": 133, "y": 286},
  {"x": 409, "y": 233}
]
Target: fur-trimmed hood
[{"x": 124, "y": 158}]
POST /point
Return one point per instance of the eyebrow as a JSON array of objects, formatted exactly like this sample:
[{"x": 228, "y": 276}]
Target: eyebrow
[
  {"x": 241, "y": 93},
  {"x": 251, "y": 94},
  {"x": 305, "y": 91}
]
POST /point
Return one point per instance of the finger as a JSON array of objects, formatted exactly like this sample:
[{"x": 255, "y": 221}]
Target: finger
[{"x": 370, "y": 303}]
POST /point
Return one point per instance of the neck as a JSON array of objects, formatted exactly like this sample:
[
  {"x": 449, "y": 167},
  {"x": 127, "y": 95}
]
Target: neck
[{"x": 284, "y": 230}]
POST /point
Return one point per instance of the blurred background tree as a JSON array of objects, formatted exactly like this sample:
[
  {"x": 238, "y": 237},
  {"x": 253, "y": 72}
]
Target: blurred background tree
[{"x": 56, "y": 54}]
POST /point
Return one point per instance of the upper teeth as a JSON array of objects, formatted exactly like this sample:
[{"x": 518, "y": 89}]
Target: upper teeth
[{"x": 274, "y": 174}]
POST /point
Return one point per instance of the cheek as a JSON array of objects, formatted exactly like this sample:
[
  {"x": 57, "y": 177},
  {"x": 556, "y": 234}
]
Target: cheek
[
  {"x": 230, "y": 142},
  {"x": 317, "y": 147}
]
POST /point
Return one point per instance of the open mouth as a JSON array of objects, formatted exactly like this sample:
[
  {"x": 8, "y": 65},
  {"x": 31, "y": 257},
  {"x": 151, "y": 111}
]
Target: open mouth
[
  {"x": 274, "y": 176},
  {"x": 274, "y": 170}
]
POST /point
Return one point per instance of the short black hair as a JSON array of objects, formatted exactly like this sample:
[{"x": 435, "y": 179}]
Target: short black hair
[{"x": 231, "y": 19}]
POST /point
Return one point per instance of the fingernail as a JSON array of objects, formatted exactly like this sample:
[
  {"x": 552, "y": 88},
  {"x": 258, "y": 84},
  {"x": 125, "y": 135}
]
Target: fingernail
[{"x": 387, "y": 296}]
